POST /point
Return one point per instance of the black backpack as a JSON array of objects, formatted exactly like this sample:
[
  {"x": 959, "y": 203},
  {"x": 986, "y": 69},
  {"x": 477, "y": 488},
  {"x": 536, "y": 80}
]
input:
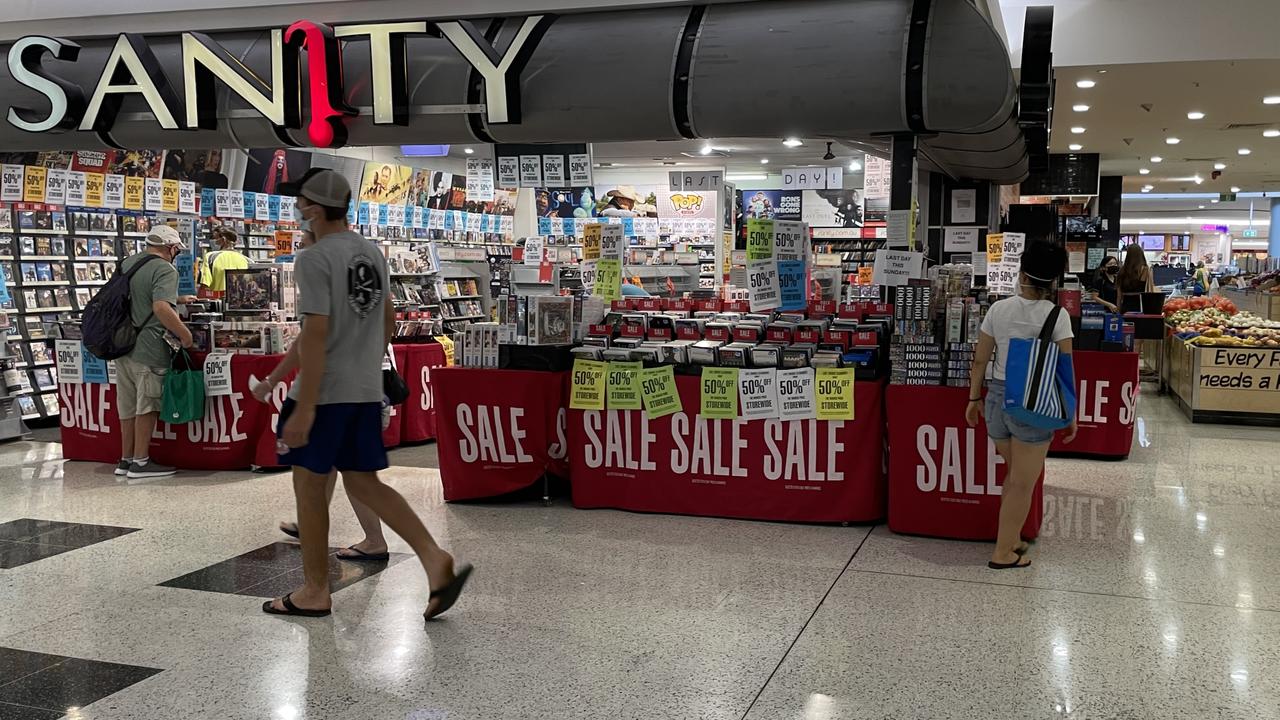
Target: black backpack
[{"x": 107, "y": 324}]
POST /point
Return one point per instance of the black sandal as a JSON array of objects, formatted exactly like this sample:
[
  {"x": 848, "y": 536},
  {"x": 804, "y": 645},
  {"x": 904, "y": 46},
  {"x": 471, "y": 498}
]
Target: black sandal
[
  {"x": 448, "y": 595},
  {"x": 291, "y": 609},
  {"x": 1016, "y": 564},
  {"x": 362, "y": 556}
]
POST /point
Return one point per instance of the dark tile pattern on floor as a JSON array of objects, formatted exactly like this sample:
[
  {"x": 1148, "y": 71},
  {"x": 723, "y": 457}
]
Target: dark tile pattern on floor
[
  {"x": 27, "y": 540},
  {"x": 274, "y": 570},
  {"x": 35, "y": 686}
]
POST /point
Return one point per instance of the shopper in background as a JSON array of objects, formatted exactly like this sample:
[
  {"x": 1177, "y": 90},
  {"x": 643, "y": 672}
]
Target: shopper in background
[
  {"x": 213, "y": 270},
  {"x": 1104, "y": 283},
  {"x": 1200, "y": 280},
  {"x": 140, "y": 375},
  {"x": 333, "y": 417},
  {"x": 1022, "y": 446},
  {"x": 1133, "y": 280},
  {"x": 373, "y": 548}
]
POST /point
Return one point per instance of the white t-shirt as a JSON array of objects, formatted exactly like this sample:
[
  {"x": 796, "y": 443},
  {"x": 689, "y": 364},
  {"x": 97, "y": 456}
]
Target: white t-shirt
[{"x": 1018, "y": 317}]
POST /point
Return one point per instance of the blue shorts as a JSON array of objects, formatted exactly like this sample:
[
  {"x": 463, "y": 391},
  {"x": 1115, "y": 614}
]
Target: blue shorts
[
  {"x": 1002, "y": 427},
  {"x": 345, "y": 436}
]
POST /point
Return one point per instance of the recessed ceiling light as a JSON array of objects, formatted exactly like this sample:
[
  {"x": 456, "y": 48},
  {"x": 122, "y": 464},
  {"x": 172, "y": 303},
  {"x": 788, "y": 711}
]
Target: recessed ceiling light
[
  {"x": 1201, "y": 207},
  {"x": 855, "y": 166},
  {"x": 1075, "y": 146},
  {"x": 1147, "y": 188},
  {"x": 1172, "y": 140},
  {"x": 1077, "y": 130},
  {"x": 1198, "y": 180},
  {"x": 792, "y": 142},
  {"x": 1244, "y": 151},
  {"x": 1235, "y": 188},
  {"x": 1271, "y": 100},
  {"x": 1271, "y": 133},
  {"x": 1144, "y": 171},
  {"x": 1219, "y": 166},
  {"x": 1157, "y": 159},
  {"x": 1080, "y": 108},
  {"x": 469, "y": 151},
  {"x": 1102, "y": 72},
  {"x": 1214, "y": 201},
  {"x": 1085, "y": 84},
  {"x": 1195, "y": 115},
  {"x": 764, "y": 161}
]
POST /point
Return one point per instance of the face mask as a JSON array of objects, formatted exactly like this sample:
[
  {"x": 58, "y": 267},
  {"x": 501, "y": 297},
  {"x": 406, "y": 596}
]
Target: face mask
[{"x": 304, "y": 224}]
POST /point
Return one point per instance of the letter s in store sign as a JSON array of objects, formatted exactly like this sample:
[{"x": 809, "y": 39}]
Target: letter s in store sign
[{"x": 132, "y": 69}]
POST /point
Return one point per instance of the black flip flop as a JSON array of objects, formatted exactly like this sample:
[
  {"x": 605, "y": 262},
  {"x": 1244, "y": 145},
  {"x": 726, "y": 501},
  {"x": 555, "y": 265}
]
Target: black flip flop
[
  {"x": 448, "y": 595},
  {"x": 362, "y": 556},
  {"x": 1016, "y": 564},
  {"x": 291, "y": 609},
  {"x": 293, "y": 533}
]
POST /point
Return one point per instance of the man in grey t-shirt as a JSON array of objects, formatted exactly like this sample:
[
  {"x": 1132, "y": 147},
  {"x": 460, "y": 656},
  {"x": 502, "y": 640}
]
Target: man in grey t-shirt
[{"x": 333, "y": 417}]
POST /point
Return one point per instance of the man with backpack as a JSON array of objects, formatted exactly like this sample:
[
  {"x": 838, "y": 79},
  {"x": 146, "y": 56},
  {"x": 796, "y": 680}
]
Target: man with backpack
[
  {"x": 153, "y": 296},
  {"x": 213, "y": 271}
]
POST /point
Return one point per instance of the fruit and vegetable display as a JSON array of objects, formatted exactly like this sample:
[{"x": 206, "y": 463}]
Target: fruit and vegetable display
[
  {"x": 1216, "y": 302},
  {"x": 1214, "y": 327},
  {"x": 1267, "y": 282}
]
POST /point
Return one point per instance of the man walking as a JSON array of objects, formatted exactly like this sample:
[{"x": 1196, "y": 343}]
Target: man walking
[
  {"x": 333, "y": 416},
  {"x": 153, "y": 295}
]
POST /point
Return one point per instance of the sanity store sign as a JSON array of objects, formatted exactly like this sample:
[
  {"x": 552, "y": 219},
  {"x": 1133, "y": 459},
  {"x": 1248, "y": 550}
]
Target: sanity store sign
[{"x": 132, "y": 70}]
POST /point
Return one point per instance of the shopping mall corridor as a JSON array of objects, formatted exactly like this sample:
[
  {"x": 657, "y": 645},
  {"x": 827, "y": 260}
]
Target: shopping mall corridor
[{"x": 1155, "y": 593}]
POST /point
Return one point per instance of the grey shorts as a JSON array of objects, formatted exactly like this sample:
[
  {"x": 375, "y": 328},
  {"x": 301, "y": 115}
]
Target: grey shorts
[
  {"x": 1002, "y": 427},
  {"x": 139, "y": 388}
]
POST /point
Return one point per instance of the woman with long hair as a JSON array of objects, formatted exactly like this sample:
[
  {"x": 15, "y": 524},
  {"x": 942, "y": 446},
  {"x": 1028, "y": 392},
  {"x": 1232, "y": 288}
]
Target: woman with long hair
[
  {"x": 1133, "y": 280},
  {"x": 1104, "y": 282},
  {"x": 1022, "y": 446}
]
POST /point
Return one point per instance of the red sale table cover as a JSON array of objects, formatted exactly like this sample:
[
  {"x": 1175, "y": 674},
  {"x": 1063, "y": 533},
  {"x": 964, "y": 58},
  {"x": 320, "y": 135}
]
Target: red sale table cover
[
  {"x": 416, "y": 363},
  {"x": 798, "y": 470},
  {"x": 495, "y": 427},
  {"x": 1106, "y": 406},
  {"x": 944, "y": 476}
]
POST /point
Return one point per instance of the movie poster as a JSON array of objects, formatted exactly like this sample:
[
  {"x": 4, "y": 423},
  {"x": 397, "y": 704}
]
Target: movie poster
[
  {"x": 440, "y": 190},
  {"x": 458, "y": 191},
  {"x": 420, "y": 188},
  {"x": 135, "y": 163},
  {"x": 269, "y": 169},
  {"x": 832, "y": 208},
  {"x": 687, "y": 204},
  {"x": 98, "y": 161},
  {"x": 770, "y": 205},
  {"x": 385, "y": 183},
  {"x": 565, "y": 202},
  {"x": 626, "y": 201},
  {"x": 504, "y": 203}
]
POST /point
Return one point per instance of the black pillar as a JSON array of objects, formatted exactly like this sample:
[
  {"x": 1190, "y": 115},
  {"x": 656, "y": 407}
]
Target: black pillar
[{"x": 903, "y": 180}]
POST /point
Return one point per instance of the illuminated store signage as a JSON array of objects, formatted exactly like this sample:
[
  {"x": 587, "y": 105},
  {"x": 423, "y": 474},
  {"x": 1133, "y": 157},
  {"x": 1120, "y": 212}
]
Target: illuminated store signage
[{"x": 132, "y": 69}]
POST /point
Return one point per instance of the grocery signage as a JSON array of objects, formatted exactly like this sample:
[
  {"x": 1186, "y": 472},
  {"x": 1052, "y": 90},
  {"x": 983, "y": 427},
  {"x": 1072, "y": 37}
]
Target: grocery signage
[{"x": 132, "y": 69}]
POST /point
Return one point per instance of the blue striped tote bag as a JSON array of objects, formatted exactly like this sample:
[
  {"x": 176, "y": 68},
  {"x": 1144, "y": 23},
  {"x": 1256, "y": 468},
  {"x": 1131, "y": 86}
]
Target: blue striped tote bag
[{"x": 1039, "y": 386}]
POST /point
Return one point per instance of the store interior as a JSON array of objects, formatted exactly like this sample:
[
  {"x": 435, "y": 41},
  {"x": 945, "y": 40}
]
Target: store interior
[{"x": 686, "y": 374}]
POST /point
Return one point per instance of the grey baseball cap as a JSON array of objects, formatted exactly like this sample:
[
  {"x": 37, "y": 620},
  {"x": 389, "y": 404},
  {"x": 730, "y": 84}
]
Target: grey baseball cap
[
  {"x": 322, "y": 187},
  {"x": 163, "y": 235}
]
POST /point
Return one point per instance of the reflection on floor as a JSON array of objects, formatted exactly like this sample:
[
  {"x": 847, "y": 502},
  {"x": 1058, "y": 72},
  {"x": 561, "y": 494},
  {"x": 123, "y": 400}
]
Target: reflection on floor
[
  {"x": 1155, "y": 593},
  {"x": 273, "y": 571},
  {"x": 36, "y": 686}
]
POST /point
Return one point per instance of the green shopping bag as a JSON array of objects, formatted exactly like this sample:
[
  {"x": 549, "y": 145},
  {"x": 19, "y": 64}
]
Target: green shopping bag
[{"x": 183, "y": 400}]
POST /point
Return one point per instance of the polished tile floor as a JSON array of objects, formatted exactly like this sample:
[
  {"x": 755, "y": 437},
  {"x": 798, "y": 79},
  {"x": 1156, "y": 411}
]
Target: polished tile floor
[{"x": 1155, "y": 593}]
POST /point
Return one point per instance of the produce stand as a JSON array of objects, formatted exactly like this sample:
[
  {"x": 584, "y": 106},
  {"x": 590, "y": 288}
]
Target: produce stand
[
  {"x": 1225, "y": 384},
  {"x": 1263, "y": 304}
]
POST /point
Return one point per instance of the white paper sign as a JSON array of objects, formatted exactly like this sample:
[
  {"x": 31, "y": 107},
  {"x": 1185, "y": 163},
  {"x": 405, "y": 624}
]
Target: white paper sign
[
  {"x": 75, "y": 187},
  {"x": 473, "y": 222},
  {"x": 876, "y": 174},
  {"x": 237, "y": 203},
  {"x": 70, "y": 361},
  {"x": 899, "y": 230},
  {"x": 1002, "y": 278},
  {"x": 790, "y": 240},
  {"x": 55, "y": 187},
  {"x": 553, "y": 170},
  {"x": 1014, "y": 243},
  {"x": 896, "y": 267},
  {"x": 262, "y": 206},
  {"x": 588, "y": 268},
  {"x": 113, "y": 191},
  {"x": 611, "y": 241},
  {"x": 11, "y": 183},
  {"x": 530, "y": 171},
  {"x": 222, "y": 202},
  {"x": 763, "y": 288},
  {"x": 960, "y": 239},
  {"x": 509, "y": 172},
  {"x": 153, "y": 194},
  {"x": 111, "y": 372},
  {"x": 795, "y": 394},
  {"x": 533, "y": 250},
  {"x": 580, "y": 170},
  {"x": 964, "y": 206},
  {"x": 186, "y": 197},
  {"x": 813, "y": 178},
  {"x": 480, "y": 179},
  {"x": 217, "y": 374},
  {"x": 758, "y": 393},
  {"x": 699, "y": 181}
]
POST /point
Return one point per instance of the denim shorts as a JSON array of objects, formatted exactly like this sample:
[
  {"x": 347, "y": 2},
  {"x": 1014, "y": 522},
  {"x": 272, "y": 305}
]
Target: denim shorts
[
  {"x": 1002, "y": 427},
  {"x": 345, "y": 436}
]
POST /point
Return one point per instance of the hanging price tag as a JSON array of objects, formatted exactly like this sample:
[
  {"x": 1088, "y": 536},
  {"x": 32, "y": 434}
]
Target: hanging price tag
[
  {"x": 553, "y": 170},
  {"x": 133, "y": 192},
  {"x": 55, "y": 187},
  {"x": 608, "y": 280},
  {"x": 94, "y": 187},
  {"x": 236, "y": 199},
  {"x": 273, "y": 208},
  {"x": 795, "y": 394},
  {"x": 33, "y": 184},
  {"x": 262, "y": 206},
  {"x": 759, "y": 239},
  {"x": 758, "y": 393},
  {"x": 623, "y": 388},
  {"x": 588, "y": 389},
  {"x": 113, "y": 191},
  {"x": 530, "y": 171},
  {"x": 153, "y": 194},
  {"x": 580, "y": 170},
  {"x": 169, "y": 195},
  {"x": 719, "y": 393},
  {"x": 75, "y": 188},
  {"x": 187, "y": 197},
  {"x": 762, "y": 285},
  {"x": 287, "y": 205},
  {"x": 591, "y": 241},
  {"x": 11, "y": 183},
  {"x": 222, "y": 202},
  {"x": 509, "y": 172},
  {"x": 834, "y": 393},
  {"x": 217, "y": 374},
  {"x": 658, "y": 388},
  {"x": 790, "y": 239}
]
